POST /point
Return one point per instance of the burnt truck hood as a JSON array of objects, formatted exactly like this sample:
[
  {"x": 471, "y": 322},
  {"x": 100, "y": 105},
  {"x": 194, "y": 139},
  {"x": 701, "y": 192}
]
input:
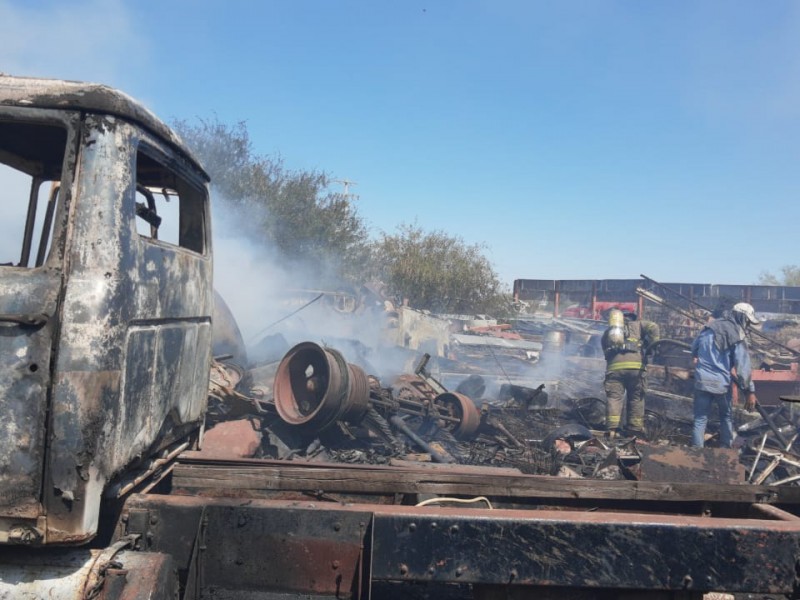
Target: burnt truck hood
[{"x": 27, "y": 323}]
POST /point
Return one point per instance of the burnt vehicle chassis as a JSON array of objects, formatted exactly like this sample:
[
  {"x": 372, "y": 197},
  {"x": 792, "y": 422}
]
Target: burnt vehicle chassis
[{"x": 270, "y": 529}]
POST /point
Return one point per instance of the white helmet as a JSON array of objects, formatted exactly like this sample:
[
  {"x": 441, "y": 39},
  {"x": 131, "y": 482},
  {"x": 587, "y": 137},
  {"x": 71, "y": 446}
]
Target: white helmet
[{"x": 748, "y": 311}]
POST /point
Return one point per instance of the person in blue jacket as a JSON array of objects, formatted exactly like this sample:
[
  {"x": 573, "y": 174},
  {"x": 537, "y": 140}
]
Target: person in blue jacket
[{"x": 721, "y": 362}]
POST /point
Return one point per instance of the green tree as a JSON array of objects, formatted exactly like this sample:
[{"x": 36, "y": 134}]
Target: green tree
[
  {"x": 436, "y": 271},
  {"x": 292, "y": 212},
  {"x": 791, "y": 276}
]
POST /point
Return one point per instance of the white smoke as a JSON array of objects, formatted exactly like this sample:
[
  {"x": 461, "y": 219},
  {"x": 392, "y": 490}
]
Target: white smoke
[{"x": 269, "y": 297}]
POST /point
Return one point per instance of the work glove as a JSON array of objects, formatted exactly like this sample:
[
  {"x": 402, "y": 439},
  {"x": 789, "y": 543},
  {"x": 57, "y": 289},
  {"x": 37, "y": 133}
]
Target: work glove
[{"x": 750, "y": 403}]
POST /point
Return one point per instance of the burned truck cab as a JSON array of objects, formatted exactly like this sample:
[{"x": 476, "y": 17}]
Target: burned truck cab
[{"x": 106, "y": 303}]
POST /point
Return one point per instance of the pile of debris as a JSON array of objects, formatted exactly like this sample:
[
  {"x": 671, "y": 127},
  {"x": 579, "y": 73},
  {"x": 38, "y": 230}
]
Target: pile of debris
[
  {"x": 526, "y": 395},
  {"x": 315, "y": 406}
]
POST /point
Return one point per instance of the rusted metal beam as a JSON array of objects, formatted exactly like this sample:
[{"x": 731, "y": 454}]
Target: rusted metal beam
[
  {"x": 773, "y": 512},
  {"x": 573, "y": 549},
  {"x": 343, "y": 550}
]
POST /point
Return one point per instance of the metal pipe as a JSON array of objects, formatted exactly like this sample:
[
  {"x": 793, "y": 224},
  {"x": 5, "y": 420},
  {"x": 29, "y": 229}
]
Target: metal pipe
[
  {"x": 47, "y": 224},
  {"x": 773, "y": 512},
  {"x": 126, "y": 485},
  {"x": 435, "y": 455},
  {"x": 30, "y": 221},
  {"x": 758, "y": 457},
  {"x": 755, "y": 332},
  {"x": 659, "y": 300},
  {"x": 408, "y": 411},
  {"x": 768, "y": 418}
]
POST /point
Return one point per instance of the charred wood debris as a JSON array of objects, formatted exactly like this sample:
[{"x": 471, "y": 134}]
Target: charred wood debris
[{"x": 543, "y": 414}]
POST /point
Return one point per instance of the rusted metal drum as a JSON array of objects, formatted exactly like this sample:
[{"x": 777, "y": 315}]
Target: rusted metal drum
[
  {"x": 357, "y": 396},
  {"x": 315, "y": 387},
  {"x": 462, "y": 408}
]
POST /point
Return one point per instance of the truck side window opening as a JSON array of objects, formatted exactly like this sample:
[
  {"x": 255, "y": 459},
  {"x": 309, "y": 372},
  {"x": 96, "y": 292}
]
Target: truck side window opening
[
  {"x": 168, "y": 208},
  {"x": 31, "y": 158}
]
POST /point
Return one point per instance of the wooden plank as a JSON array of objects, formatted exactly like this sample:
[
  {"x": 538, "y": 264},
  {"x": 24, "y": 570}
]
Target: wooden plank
[
  {"x": 388, "y": 480},
  {"x": 453, "y": 468}
]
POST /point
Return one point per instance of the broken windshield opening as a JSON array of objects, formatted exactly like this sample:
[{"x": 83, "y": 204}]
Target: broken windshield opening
[
  {"x": 31, "y": 158},
  {"x": 168, "y": 208}
]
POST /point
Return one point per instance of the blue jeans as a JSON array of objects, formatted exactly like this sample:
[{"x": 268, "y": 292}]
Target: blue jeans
[{"x": 702, "y": 406}]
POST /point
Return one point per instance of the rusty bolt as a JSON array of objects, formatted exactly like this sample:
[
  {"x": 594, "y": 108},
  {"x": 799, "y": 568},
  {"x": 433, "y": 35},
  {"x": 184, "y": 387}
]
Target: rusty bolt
[
  {"x": 337, "y": 526},
  {"x": 453, "y": 529},
  {"x": 335, "y": 565},
  {"x": 403, "y": 569},
  {"x": 412, "y": 527}
]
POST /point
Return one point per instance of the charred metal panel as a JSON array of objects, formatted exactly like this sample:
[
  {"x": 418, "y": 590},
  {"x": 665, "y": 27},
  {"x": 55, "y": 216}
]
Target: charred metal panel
[
  {"x": 294, "y": 546},
  {"x": 283, "y": 549},
  {"x": 261, "y": 547},
  {"x": 85, "y": 97},
  {"x": 24, "y": 380},
  {"x": 161, "y": 377},
  {"x": 132, "y": 363},
  {"x": 588, "y": 550},
  {"x": 29, "y": 316}
]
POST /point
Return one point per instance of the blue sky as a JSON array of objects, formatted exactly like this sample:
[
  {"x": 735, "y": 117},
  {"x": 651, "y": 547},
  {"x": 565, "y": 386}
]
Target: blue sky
[{"x": 573, "y": 139}]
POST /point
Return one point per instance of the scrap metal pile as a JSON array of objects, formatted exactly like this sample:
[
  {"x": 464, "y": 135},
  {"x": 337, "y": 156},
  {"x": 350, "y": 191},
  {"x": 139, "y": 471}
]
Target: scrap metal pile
[{"x": 314, "y": 405}]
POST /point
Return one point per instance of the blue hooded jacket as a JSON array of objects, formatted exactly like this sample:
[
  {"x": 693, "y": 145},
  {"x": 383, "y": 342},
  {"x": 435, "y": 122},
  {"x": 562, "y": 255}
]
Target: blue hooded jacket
[{"x": 720, "y": 347}]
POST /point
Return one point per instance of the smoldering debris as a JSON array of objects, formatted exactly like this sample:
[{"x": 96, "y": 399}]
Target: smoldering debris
[
  {"x": 466, "y": 391},
  {"x": 313, "y": 405}
]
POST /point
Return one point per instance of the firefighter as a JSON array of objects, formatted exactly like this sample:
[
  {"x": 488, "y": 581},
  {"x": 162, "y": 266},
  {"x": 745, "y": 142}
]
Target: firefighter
[{"x": 624, "y": 343}]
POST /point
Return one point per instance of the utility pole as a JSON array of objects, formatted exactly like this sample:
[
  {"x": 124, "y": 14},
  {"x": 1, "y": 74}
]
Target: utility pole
[{"x": 347, "y": 183}]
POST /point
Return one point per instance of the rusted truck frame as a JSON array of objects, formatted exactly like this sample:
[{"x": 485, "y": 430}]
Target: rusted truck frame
[
  {"x": 352, "y": 530},
  {"x": 106, "y": 345}
]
